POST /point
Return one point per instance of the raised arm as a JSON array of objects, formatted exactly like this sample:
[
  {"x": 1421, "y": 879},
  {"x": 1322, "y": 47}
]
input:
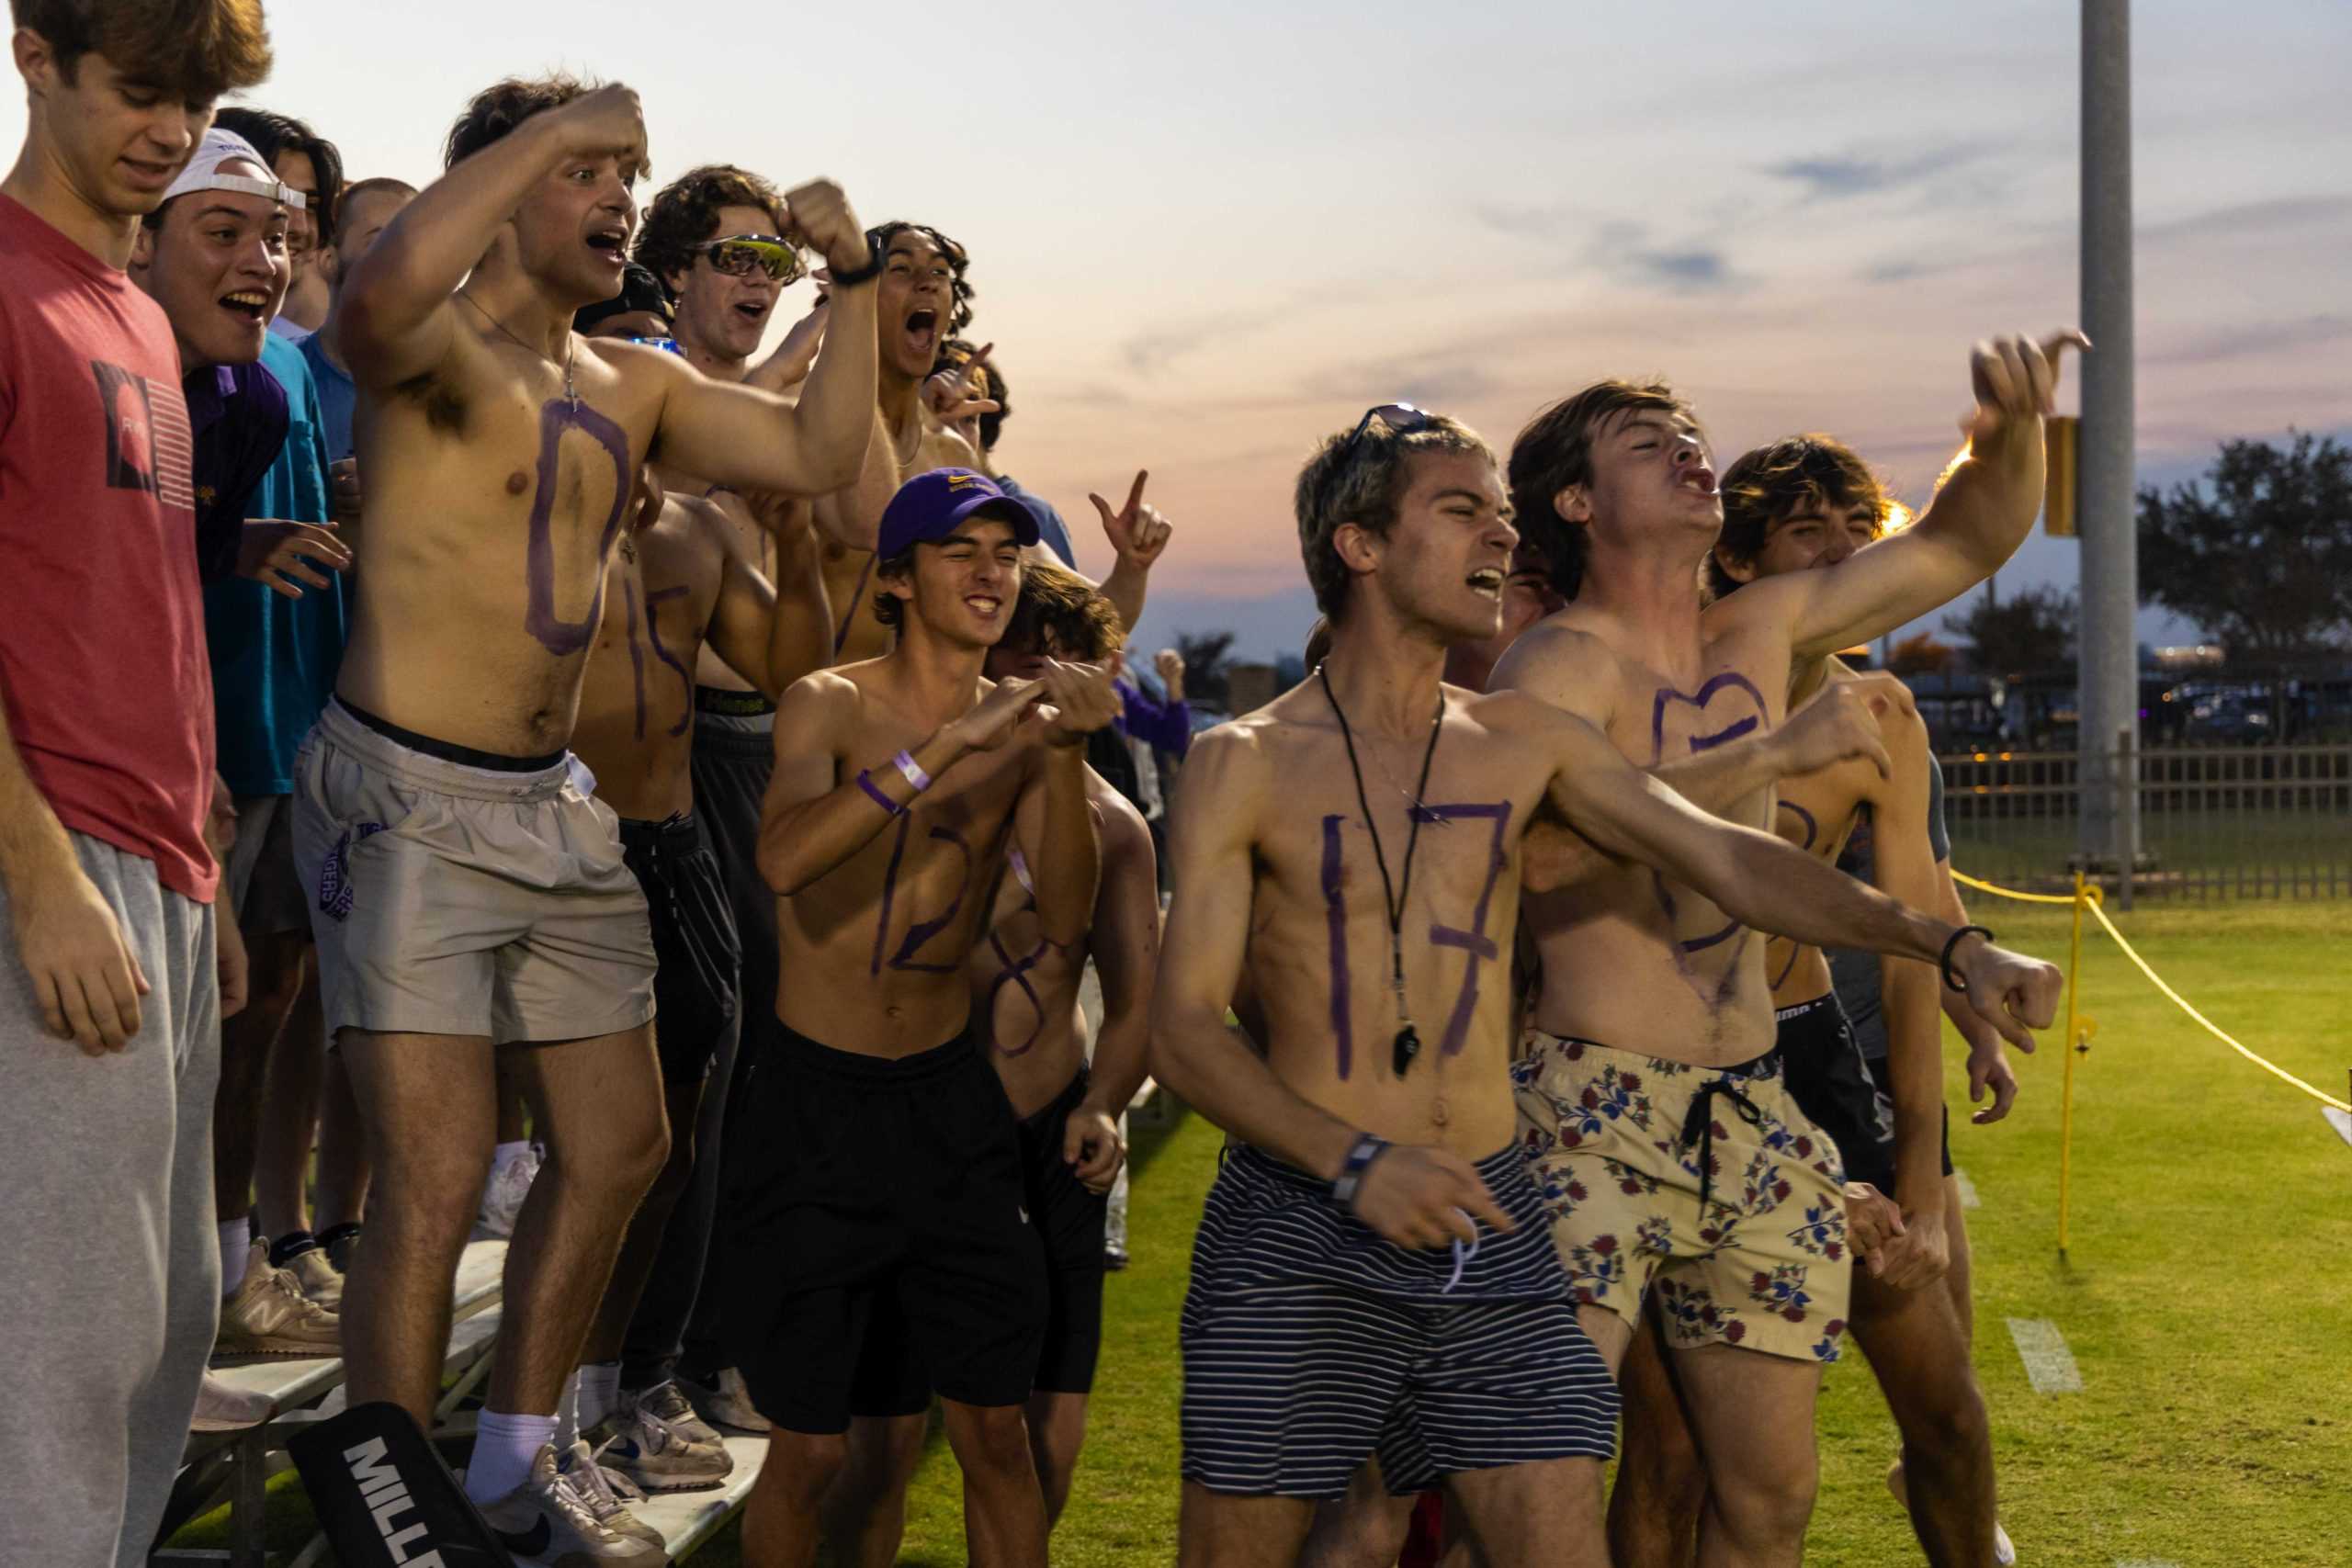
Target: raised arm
[
  {"x": 772, "y": 634},
  {"x": 1124, "y": 944},
  {"x": 1979, "y": 516},
  {"x": 852, "y": 517},
  {"x": 1772, "y": 887},
  {"x": 817, "y": 813},
  {"x": 750, "y": 438},
  {"x": 396, "y": 319},
  {"x": 1139, "y": 536}
]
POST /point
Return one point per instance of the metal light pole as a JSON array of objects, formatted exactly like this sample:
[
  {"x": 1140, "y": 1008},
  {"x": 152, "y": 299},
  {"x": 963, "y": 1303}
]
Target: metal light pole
[{"x": 2108, "y": 667}]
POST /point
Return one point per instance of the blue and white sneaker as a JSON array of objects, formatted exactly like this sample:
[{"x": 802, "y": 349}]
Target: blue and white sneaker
[{"x": 656, "y": 1440}]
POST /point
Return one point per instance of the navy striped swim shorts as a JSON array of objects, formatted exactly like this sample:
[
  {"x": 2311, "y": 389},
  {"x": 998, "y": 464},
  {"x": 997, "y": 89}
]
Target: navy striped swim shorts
[{"x": 1310, "y": 1343}]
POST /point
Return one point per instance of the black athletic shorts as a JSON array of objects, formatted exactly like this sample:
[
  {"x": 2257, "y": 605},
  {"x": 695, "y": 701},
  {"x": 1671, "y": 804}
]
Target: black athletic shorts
[
  {"x": 1070, "y": 1220},
  {"x": 693, "y": 942},
  {"x": 863, "y": 1187},
  {"x": 1832, "y": 1085}
]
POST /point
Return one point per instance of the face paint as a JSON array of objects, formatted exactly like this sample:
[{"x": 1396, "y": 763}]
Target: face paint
[{"x": 654, "y": 597}]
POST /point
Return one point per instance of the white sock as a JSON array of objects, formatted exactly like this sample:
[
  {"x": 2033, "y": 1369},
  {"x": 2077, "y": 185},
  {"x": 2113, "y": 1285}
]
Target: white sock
[
  {"x": 236, "y": 1245},
  {"x": 567, "y": 1416},
  {"x": 600, "y": 1392},
  {"x": 507, "y": 1154},
  {"x": 504, "y": 1448}
]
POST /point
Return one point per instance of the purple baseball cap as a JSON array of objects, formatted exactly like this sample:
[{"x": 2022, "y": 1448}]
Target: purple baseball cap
[{"x": 933, "y": 505}]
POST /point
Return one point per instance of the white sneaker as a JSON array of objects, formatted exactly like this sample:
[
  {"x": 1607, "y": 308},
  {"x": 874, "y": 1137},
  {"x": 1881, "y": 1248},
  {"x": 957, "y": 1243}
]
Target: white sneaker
[
  {"x": 654, "y": 1439},
  {"x": 221, "y": 1407},
  {"x": 318, "y": 1278},
  {"x": 510, "y": 1183},
  {"x": 546, "y": 1518},
  {"x": 725, "y": 1402},
  {"x": 608, "y": 1495},
  {"x": 2004, "y": 1552}
]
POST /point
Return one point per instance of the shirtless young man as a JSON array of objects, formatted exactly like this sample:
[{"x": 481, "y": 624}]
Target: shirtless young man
[
  {"x": 722, "y": 241},
  {"x": 1799, "y": 504},
  {"x": 882, "y": 1172},
  {"x": 1654, "y": 1001},
  {"x": 1327, "y": 1319},
  {"x": 1026, "y": 1008},
  {"x": 468, "y": 892},
  {"x": 680, "y": 585}
]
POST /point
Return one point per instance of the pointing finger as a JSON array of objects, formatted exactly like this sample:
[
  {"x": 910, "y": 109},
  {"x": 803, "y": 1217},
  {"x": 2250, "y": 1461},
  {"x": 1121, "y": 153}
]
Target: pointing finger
[{"x": 1134, "y": 491}]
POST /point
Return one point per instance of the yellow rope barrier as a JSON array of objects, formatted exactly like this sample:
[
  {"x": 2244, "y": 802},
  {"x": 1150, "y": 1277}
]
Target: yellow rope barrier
[
  {"x": 2210, "y": 1027},
  {"x": 2078, "y": 1028}
]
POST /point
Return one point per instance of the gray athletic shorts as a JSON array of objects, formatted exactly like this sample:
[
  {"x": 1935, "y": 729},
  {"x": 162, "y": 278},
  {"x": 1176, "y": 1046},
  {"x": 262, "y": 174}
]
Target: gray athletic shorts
[
  {"x": 450, "y": 899},
  {"x": 262, "y": 883}
]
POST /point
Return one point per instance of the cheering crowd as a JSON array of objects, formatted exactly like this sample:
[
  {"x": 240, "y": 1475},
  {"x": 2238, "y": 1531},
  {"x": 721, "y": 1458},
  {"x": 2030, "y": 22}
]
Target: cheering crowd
[{"x": 488, "y": 749}]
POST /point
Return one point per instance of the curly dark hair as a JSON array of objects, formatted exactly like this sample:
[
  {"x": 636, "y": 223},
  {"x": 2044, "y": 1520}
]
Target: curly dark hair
[
  {"x": 958, "y": 261},
  {"x": 683, "y": 215},
  {"x": 272, "y": 134},
  {"x": 1555, "y": 451},
  {"x": 501, "y": 106},
  {"x": 1771, "y": 485},
  {"x": 196, "y": 49},
  {"x": 1361, "y": 482},
  {"x": 1084, "y": 625}
]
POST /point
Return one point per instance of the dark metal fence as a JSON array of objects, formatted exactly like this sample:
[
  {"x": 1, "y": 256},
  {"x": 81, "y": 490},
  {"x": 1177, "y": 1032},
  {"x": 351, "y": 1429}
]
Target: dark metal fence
[{"x": 2215, "y": 822}]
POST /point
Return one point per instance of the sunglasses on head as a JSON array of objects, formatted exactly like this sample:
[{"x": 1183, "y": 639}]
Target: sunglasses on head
[
  {"x": 1400, "y": 419},
  {"x": 737, "y": 254}
]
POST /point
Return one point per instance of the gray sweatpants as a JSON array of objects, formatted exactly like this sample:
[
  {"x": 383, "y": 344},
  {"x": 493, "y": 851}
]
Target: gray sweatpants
[{"x": 110, "y": 1264}]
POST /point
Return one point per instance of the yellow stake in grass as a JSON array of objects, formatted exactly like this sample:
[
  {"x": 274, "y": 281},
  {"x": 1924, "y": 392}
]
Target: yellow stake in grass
[{"x": 2066, "y": 1094}]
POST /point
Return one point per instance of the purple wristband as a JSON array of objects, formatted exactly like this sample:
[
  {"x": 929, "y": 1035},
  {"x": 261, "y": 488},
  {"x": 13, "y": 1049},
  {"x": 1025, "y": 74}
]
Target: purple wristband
[
  {"x": 865, "y": 781},
  {"x": 913, "y": 771}
]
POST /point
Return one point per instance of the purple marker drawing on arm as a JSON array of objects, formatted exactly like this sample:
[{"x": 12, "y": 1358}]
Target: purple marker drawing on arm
[
  {"x": 1475, "y": 941},
  {"x": 1336, "y": 911},
  {"x": 555, "y": 633},
  {"x": 654, "y": 596}
]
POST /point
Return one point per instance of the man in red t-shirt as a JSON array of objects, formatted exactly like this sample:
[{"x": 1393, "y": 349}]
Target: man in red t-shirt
[{"x": 109, "y": 999}]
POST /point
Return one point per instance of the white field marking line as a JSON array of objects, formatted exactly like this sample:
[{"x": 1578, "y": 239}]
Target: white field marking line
[
  {"x": 2146, "y": 1562},
  {"x": 2049, "y": 1365},
  {"x": 2339, "y": 1120},
  {"x": 1968, "y": 1199}
]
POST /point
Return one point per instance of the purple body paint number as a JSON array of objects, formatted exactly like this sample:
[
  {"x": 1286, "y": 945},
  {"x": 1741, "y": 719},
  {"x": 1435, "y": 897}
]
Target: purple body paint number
[
  {"x": 918, "y": 931},
  {"x": 1475, "y": 941},
  {"x": 636, "y": 654},
  {"x": 1812, "y": 837},
  {"x": 1335, "y": 908},
  {"x": 1738, "y": 685},
  {"x": 557, "y": 635},
  {"x": 655, "y": 597}
]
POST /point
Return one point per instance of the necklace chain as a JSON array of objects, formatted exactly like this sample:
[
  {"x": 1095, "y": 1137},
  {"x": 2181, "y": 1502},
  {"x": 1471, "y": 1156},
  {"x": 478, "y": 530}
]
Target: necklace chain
[
  {"x": 572, "y": 348},
  {"x": 1392, "y": 899}
]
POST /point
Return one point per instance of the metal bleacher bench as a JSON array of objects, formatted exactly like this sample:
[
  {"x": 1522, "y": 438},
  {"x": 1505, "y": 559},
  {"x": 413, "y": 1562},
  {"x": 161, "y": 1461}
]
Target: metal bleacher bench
[{"x": 234, "y": 1467}]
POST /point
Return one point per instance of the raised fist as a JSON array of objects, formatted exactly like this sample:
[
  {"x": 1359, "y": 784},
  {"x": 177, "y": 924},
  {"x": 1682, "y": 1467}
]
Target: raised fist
[{"x": 832, "y": 230}]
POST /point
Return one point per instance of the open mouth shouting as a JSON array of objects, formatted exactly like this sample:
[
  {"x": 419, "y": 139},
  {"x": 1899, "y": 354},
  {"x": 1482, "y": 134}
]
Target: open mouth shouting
[
  {"x": 923, "y": 334},
  {"x": 1699, "y": 477},
  {"x": 1487, "y": 581},
  {"x": 612, "y": 244},
  {"x": 250, "y": 306}
]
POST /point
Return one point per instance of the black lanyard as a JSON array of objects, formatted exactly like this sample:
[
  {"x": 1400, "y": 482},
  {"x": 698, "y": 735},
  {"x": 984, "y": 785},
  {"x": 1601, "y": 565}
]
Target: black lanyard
[{"x": 1408, "y": 1038}]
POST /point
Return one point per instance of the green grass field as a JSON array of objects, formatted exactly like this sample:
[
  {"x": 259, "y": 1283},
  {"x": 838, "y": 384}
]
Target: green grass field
[{"x": 2205, "y": 1299}]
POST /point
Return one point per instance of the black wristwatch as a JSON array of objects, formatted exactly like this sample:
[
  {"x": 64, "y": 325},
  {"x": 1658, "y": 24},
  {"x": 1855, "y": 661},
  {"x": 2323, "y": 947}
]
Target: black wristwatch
[{"x": 837, "y": 279}]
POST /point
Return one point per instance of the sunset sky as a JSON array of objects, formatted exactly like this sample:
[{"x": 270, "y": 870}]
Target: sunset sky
[{"x": 1203, "y": 234}]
